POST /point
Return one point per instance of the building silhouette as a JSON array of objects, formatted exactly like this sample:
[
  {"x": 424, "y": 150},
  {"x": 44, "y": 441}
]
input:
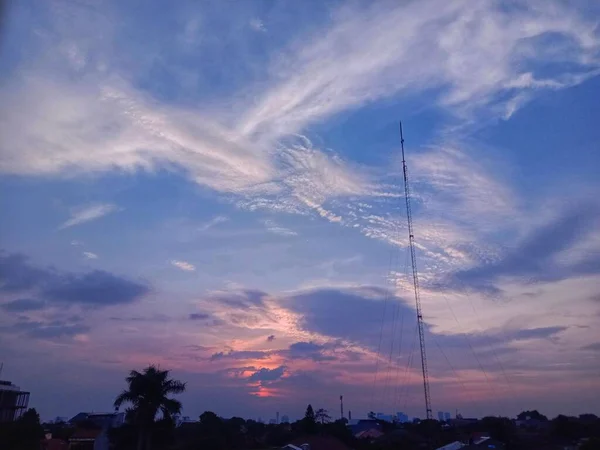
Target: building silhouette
[{"x": 13, "y": 401}]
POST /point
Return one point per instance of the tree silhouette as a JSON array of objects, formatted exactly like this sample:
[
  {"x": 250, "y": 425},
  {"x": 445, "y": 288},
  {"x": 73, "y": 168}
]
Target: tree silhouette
[
  {"x": 322, "y": 416},
  {"x": 309, "y": 415},
  {"x": 148, "y": 392},
  {"x": 532, "y": 415},
  {"x": 309, "y": 423}
]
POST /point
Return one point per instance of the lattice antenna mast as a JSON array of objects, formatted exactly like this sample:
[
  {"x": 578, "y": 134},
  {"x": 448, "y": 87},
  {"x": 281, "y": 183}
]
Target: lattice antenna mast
[{"x": 415, "y": 274}]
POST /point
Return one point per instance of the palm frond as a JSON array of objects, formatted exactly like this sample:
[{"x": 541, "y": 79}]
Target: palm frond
[{"x": 125, "y": 397}]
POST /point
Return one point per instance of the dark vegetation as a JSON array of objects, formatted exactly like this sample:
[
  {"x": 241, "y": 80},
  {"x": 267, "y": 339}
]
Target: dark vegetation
[{"x": 150, "y": 425}]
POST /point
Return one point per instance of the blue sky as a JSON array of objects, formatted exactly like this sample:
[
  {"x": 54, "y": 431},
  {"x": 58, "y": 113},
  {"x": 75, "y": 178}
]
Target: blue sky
[{"x": 182, "y": 181}]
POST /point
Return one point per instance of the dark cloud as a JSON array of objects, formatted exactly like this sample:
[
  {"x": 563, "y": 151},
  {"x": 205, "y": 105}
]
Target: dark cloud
[
  {"x": 534, "y": 258},
  {"x": 242, "y": 299},
  {"x": 538, "y": 333},
  {"x": 265, "y": 374},
  {"x": 154, "y": 318},
  {"x": 97, "y": 288},
  {"x": 309, "y": 350},
  {"x": 16, "y": 274},
  {"x": 47, "y": 330},
  {"x": 206, "y": 319},
  {"x": 354, "y": 315},
  {"x": 595, "y": 347},
  {"x": 199, "y": 316},
  {"x": 244, "y": 354},
  {"x": 297, "y": 350},
  {"x": 23, "y": 304},
  {"x": 271, "y": 338}
]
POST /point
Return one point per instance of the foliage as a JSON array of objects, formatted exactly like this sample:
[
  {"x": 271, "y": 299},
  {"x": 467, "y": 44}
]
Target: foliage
[
  {"x": 591, "y": 444},
  {"x": 309, "y": 423},
  {"x": 322, "y": 416},
  {"x": 24, "y": 433},
  {"x": 534, "y": 414}
]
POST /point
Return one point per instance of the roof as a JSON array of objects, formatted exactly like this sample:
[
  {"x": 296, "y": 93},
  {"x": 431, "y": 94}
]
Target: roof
[
  {"x": 83, "y": 434},
  {"x": 54, "y": 444},
  {"x": 452, "y": 446},
  {"x": 370, "y": 433},
  {"x": 320, "y": 443},
  {"x": 485, "y": 443}
]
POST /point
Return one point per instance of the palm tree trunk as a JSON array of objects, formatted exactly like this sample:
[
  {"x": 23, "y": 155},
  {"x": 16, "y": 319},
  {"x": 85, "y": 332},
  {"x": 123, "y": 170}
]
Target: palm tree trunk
[
  {"x": 140, "y": 442},
  {"x": 149, "y": 438}
]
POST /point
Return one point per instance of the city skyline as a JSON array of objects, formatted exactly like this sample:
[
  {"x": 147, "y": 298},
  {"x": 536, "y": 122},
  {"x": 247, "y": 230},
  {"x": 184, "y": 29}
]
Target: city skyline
[{"x": 218, "y": 191}]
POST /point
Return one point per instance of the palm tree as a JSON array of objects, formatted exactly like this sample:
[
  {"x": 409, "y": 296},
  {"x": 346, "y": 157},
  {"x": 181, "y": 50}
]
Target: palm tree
[{"x": 147, "y": 393}]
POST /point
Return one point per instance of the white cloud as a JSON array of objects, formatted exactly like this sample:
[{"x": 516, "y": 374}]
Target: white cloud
[
  {"x": 88, "y": 213},
  {"x": 272, "y": 227},
  {"x": 257, "y": 25},
  {"x": 212, "y": 222},
  {"x": 90, "y": 255},
  {"x": 474, "y": 53},
  {"x": 480, "y": 58},
  {"x": 183, "y": 265}
]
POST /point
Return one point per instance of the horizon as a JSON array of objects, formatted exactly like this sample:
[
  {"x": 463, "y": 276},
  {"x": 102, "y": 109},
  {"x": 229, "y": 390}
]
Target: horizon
[{"x": 218, "y": 191}]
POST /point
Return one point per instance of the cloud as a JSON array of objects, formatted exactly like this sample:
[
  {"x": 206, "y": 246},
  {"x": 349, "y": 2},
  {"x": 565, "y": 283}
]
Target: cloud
[
  {"x": 48, "y": 330},
  {"x": 183, "y": 265},
  {"x": 212, "y": 222},
  {"x": 539, "y": 333},
  {"x": 594, "y": 347},
  {"x": 88, "y": 213},
  {"x": 265, "y": 374},
  {"x": 240, "y": 355},
  {"x": 16, "y": 274},
  {"x": 199, "y": 316},
  {"x": 93, "y": 120},
  {"x": 23, "y": 304},
  {"x": 97, "y": 288},
  {"x": 309, "y": 350},
  {"x": 535, "y": 258},
  {"x": 363, "y": 56},
  {"x": 272, "y": 227},
  {"x": 351, "y": 314},
  {"x": 247, "y": 298},
  {"x": 257, "y": 25},
  {"x": 271, "y": 338},
  {"x": 90, "y": 255}
]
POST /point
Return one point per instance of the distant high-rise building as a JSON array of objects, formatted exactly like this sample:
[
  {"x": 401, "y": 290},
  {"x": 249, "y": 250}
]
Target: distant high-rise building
[
  {"x": 285, "y": 419},
  {"x": 272, "y": 422},
  {"x": 440, "y": 416},
  {"x": 277, "y": 417},
  {"x": 13, "y": 401},
  {"x": 401, "y": 417},
  {"x": 447, "y": 416},
  {"x": 349, "y": 415}
]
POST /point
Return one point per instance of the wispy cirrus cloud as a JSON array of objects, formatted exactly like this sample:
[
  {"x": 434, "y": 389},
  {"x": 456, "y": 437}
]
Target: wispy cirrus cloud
[
  {"x": 357, "y": 60},
  {"x": 88, "y": 213},
  {"x": 212, "y": 222}
]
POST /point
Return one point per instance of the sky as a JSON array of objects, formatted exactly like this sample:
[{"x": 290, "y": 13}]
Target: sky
[{"x": 216, "y": 188}]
